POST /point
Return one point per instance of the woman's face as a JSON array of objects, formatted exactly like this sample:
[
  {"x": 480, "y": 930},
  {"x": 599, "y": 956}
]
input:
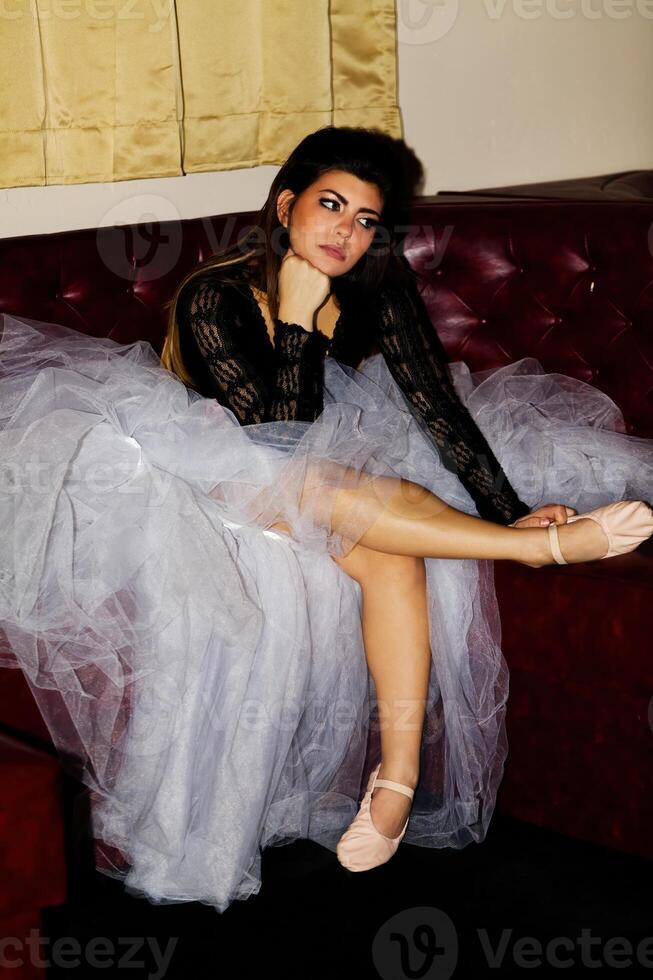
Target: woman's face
[{"x": 337, "y": 210}]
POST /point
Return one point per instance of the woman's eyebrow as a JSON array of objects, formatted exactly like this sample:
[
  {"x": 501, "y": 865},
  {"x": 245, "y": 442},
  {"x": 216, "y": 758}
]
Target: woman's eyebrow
[{"x": 345, "y": 201}]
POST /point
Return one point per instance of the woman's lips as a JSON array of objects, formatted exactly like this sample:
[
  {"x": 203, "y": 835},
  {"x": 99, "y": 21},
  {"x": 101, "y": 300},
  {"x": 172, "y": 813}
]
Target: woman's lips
[{"x": 335, "y": 252}]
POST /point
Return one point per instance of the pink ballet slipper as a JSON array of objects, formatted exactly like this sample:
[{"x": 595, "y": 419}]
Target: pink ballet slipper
[
  {"x": 625, "y": 524},
  {"x": 362, "y": 847}
]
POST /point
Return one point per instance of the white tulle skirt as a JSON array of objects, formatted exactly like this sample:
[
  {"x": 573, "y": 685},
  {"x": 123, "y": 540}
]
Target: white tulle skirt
[{"x": 204, "y": 675}]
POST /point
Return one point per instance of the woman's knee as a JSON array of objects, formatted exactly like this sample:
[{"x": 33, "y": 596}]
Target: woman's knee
[
  {"x": 334, "y": 489},
  {"x": 367, "y": 566}
]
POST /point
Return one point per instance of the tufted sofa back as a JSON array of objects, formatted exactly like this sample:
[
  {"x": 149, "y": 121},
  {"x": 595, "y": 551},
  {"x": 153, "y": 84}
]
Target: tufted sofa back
[{"x": 567, "y": 282}]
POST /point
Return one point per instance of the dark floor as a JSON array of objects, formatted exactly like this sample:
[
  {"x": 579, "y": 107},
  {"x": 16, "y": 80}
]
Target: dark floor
[{"x": 428, "y": 914}]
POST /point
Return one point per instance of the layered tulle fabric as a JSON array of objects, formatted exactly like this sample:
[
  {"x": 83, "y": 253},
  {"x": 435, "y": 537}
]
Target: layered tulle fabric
[{"x": 205, "y": 675}]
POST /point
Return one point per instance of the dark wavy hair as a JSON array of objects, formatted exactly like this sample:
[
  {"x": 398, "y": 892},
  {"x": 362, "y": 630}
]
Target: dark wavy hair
[{"x": 255, "y": 258}]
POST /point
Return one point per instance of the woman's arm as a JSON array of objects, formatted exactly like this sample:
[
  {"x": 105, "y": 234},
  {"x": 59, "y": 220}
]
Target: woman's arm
[
  {"x": 417, "y": 361},
  {"x": 294, "y": 388}
]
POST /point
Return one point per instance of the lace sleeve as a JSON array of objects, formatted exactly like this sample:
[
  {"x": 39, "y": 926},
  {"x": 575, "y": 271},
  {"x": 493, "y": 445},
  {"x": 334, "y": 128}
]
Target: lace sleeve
[
  {"x": 299, "y": 382},
  {"x": 293, "y": 389},
  {"x": 417, "y": 361}
]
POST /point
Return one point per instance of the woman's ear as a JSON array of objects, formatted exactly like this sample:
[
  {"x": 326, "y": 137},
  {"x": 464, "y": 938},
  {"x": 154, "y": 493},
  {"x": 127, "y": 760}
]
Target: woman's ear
[{"x": 284, "y": 200}]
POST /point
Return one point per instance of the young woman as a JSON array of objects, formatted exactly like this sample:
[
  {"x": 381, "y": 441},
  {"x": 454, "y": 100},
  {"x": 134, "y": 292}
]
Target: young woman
[{"x": 259, "y": 570}]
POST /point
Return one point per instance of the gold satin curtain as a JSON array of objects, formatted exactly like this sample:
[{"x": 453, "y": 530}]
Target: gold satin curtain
[{"x": 105, "y": 90}]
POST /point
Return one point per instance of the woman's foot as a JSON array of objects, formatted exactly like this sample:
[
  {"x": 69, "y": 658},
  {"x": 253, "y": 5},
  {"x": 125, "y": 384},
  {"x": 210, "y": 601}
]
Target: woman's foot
[
  {"x": 389, "y": 809},
  {"x": 583, "y": 539},
  {"x": 363, "y": 845}
]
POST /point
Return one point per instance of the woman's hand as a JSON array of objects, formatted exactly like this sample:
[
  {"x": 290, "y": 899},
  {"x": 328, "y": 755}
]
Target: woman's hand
[
  {"x": 545, "y": 515},
  {"x": 303, "y": 288}
]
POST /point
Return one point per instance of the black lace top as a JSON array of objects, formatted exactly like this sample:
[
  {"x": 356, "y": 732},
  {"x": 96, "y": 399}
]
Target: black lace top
[{"x": 226, "y": 347}]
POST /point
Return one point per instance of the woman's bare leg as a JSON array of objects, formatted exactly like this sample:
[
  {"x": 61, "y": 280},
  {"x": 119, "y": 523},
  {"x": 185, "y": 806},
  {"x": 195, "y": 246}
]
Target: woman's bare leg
[
  {"x": 404, "y": 518},
  {"x": 398, "y": 653}
]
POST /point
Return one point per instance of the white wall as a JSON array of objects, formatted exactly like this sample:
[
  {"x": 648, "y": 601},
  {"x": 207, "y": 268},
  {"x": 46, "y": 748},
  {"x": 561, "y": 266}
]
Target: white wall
[
  {"x": 498, "y": 92},
  {"x": 492, "y": 92}
]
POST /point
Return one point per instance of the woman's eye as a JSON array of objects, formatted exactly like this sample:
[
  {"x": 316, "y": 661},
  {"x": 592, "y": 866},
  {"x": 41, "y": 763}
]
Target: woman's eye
[{"x": 369, "y": 226}]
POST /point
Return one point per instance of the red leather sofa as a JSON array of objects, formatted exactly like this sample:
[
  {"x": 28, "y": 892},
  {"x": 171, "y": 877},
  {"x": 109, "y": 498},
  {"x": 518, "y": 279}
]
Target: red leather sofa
[
  {"x": 33, "y": 872},
  {"x": 569, "y": 281}
]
